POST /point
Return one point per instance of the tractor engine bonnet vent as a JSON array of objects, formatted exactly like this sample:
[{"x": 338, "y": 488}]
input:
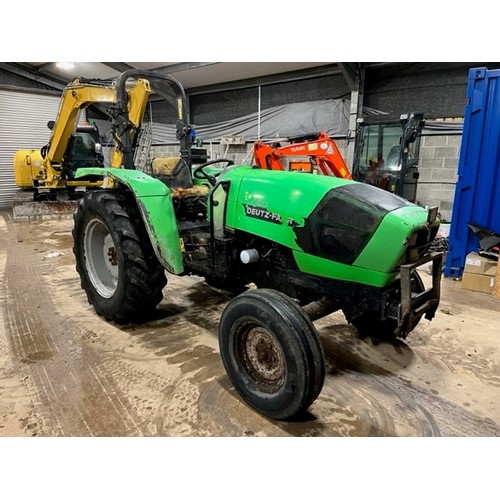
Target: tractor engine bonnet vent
[{"x": 345, "y": 220}]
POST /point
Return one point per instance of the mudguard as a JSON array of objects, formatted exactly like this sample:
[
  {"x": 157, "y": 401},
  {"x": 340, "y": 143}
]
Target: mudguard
[{"x": 157, "y": 210}]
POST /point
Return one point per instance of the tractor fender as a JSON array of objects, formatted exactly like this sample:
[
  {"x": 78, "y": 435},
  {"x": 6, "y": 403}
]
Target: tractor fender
[{"x": 156, "y": 207}]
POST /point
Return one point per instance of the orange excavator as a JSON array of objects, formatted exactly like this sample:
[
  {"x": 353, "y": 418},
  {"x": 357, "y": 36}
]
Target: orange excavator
[{"x": 313, "y": 153}]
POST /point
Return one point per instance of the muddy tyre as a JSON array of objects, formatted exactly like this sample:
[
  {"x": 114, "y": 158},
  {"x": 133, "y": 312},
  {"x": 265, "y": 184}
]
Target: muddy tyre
[
  {"x": 118, "y": 268},
  {"x": 272, "y": 353}
]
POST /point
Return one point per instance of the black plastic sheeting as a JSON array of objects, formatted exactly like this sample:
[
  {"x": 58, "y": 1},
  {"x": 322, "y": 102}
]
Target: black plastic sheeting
[
  {"x": 435, "y": 127},
  {"x": 435, "y": 89}
]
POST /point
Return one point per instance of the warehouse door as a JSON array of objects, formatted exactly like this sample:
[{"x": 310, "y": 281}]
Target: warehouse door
[{"x": 23, "y": 125}]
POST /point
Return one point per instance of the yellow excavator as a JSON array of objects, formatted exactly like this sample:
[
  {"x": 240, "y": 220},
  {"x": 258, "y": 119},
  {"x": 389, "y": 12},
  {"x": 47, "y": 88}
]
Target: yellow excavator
[{"x": 49, "y": 171}]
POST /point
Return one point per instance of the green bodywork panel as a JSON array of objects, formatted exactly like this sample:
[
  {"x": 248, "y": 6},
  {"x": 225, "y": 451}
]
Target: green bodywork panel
[
  {"x": 270, "y": 204},
  {"x": 274, "y": 205},
  {"x": 157, "y": 210},
  {"x": 389, "y": 241},
  {"x": 376, "y": 263},
  {"x": 290, "y": 195}
]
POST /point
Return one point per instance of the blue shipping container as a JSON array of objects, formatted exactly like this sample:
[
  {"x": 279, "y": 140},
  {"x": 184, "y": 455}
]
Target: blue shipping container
[{"x": 477, "y": 192}]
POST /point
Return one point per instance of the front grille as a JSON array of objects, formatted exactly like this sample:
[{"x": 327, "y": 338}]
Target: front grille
[{"x": 419, "y": 243}]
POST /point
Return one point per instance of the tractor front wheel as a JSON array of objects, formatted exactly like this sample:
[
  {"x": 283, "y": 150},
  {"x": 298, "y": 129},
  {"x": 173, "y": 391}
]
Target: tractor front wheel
[
  {"x": 272, "y": 353},
  {"x": 118, "y": 268}
]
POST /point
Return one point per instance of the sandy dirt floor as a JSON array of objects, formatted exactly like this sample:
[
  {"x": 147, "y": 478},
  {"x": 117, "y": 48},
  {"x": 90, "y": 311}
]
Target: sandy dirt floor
[{"x": 66, "y": 372}]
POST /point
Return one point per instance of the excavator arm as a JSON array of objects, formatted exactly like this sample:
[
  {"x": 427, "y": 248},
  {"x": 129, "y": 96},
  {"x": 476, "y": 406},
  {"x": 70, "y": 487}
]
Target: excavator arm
[
  {"x": 76, "y": 96},
  {"x": 124, "y": 101},
  {"x": 125, "y": 106},
  {"x": 80, "y": 94},
  {"x": 318, "y": 151}
]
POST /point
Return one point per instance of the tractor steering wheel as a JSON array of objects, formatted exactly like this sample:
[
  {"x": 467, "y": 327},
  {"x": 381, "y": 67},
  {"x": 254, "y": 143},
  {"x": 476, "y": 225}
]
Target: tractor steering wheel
[{"x": 199, "y": 173}]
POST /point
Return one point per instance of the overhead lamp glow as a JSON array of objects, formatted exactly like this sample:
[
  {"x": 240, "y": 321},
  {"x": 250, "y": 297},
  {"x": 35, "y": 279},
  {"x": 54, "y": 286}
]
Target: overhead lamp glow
[{"x": 66, "y": 66}]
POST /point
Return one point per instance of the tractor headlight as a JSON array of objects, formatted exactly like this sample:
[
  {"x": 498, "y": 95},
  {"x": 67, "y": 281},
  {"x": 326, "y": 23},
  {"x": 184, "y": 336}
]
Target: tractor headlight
[{"x": 432, "y": 215}]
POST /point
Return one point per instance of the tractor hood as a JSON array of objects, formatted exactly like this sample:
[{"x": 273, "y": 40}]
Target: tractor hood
[{"x": 335, "y": 227}]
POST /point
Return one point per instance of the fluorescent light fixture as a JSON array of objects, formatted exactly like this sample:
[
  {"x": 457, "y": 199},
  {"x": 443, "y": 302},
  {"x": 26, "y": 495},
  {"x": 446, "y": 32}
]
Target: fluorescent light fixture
[{"x": 67, "y": 66}]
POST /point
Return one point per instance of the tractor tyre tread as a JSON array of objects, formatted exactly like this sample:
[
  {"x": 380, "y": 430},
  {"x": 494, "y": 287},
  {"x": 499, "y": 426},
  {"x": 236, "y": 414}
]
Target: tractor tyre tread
[
  {"x": 299, "y": 342},
  {"x": 141, "y": 276}
]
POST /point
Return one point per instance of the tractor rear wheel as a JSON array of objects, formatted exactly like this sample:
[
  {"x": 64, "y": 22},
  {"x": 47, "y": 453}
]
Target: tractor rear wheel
[
  {"x": 118, "y": 268},
  {"x": 272, "y": 353}
]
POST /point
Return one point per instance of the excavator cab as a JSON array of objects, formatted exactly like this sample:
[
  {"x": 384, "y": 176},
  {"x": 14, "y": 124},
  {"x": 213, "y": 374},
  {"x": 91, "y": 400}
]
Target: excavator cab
[
  {"x": 386, "y": 153},
  {"x": 84, "y": 151}
]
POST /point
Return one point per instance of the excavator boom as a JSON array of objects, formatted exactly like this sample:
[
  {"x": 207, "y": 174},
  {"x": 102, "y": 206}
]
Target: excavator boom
[
  {"x": 81, "y": 93},
  {"x": 53, "y": 167},
  {"x": 317, "y": 151}
]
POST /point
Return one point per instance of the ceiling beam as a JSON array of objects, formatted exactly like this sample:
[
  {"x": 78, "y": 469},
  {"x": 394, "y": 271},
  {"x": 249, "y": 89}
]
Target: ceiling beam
[
  {"x": 118, "y": 66},
  {"x": 302, "y": 74},
  {"x": 44, "y": 66},
  {"x": 33, "y": 75},
  {"x": 351, "y": 71},
  {"x": 169, "y": 68},
  {"x": 184, "y": 66}
]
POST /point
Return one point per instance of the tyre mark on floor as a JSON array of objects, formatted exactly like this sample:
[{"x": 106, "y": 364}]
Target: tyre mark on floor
[
  {"x": 402, "y": 407},
  {"x": 71, "y": 394},
  {"x": 193, "y": 395}
]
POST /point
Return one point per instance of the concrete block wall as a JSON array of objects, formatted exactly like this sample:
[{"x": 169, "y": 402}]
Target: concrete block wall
[
  {"x": 438, "y": 165},
  {"x": 165, "y": 150},
  {"x": 237, "y": 153},
  {"x": 342, "y": 145}
]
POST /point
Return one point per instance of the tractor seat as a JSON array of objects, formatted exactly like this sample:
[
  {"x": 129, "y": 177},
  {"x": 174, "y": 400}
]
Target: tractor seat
[
  {"x": 192, "y": 191},
  {"x": 176, "y": 174}
]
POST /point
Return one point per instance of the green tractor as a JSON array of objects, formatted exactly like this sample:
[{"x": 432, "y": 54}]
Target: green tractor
[{"x": 310, "y": 244}]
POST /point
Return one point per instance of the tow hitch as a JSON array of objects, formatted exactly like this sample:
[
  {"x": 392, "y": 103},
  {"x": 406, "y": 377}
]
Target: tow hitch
[{"x": 413, "y": 306}]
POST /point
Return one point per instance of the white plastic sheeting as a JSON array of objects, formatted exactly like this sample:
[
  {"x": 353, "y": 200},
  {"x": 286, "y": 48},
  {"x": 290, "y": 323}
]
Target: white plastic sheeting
[
  {"x": 289, "y": 120},
  {"x": 280, "y": 122}
]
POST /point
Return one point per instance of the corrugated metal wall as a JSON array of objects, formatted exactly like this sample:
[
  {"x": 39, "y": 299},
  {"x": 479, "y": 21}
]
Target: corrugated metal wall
[{"x": 23, "y": 125}]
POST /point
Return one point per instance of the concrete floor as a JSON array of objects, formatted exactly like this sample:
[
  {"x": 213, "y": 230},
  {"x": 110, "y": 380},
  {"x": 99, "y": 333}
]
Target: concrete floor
[{"x": 66, "y": 372}]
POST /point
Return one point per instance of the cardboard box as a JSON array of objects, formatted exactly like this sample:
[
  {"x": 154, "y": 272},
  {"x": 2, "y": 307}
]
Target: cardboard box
[
  {"x": 477, "y": 264},
  {"x": 492, "y": 271},
  {"x": 478, "y": 282}
]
